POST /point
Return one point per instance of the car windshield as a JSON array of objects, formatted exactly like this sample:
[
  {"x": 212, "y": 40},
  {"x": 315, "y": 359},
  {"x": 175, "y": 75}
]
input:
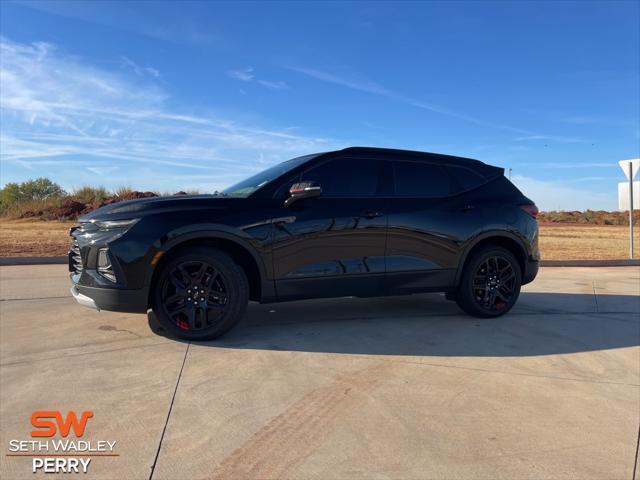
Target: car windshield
[{"x": 248, "y": 186}]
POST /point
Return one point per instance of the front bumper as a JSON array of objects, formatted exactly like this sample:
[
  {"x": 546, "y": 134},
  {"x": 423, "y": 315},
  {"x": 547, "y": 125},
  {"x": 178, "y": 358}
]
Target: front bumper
[
  {"x": 90, "y": 286},
  {"x": 83, "y": 299},
  {"x": 112, "y": 299}
]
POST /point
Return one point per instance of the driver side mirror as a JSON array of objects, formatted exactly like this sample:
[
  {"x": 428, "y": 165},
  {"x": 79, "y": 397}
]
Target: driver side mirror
[{"x": 302, "y": 190}]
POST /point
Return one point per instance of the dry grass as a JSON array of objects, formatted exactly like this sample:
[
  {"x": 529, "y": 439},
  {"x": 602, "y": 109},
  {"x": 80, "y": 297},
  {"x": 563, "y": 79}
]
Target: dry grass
[
  {"x": 17, "y": 210},
  {"x": 24, "y": 238},
  {"x": 557, "y": 241},
  {"x": 571, "y": 241}
]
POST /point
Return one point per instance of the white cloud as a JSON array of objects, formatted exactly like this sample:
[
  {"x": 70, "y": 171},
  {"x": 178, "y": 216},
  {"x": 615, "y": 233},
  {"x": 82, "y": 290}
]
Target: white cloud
[
  {"x": 273, "y": 85},
  {"x": 140, "y": 70},
  {"x": 590, "y": 179},
  {"x": 137, "y": 20},
  {"x": 55, "y": 108},
  {"x": 549, "y": 138},
  {"x": 559, "y": 196},
  {"x": 362, "y": 85},
  {"x": 244, "y": 74},
  {"x": 352, "y": 83},
  {"x": 571, "y": 165},
  {"x": 248, "y": 74},
  {"x": 103, "y": 170}
]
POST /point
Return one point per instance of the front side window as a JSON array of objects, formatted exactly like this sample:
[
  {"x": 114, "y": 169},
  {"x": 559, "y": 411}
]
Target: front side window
[
  {"x": 259, "y": 180},
  {"x": 346, "y": 177},
  {"x": 418, "y": 179}
]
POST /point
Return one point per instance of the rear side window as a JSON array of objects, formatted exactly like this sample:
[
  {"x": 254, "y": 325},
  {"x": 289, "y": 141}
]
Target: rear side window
[
  {"x": 465, "y": 178},
  {"x": 416, "y": 179},
  {"x": 346, "y": 177}
]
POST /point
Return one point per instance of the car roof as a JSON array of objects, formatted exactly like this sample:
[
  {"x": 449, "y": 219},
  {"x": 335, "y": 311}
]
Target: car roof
[{"x": 398, "y": 154}]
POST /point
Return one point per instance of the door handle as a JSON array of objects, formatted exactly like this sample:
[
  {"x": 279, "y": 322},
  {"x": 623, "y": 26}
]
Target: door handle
[
  {"x": 371, "y": 214},
  {"x": 282, "y": 220},
  {"x": 467, "y": 208}
]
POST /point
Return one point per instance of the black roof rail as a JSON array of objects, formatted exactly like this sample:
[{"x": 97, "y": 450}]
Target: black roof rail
[{"x": 488, "y": 171}]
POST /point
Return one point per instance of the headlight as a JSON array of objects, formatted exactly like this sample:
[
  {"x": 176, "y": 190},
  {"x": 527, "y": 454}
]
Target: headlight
[{"x": 115, "y": 224}]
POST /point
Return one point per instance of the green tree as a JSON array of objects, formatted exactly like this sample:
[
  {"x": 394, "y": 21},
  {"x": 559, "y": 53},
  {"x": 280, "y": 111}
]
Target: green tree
[
  {"x": 41, "y": 189},
  {"x": 9, "y": 195}
]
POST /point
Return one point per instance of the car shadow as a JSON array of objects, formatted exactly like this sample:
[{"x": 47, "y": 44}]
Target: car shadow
[{"x": 427, "y": 324}]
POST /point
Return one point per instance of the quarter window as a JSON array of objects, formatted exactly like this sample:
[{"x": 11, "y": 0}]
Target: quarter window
[
  {"x": 417, "y": 179},
  {"x": 465, "y": 178}
]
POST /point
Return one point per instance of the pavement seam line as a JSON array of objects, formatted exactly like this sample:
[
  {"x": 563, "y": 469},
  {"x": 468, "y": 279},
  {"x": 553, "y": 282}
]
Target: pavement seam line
[
  {"x": 36, "y": 298},
  {"x": 80, "y": 354},
  {"x": 635, "y": 460},
  {"x": 173, "y": 398},
  {"x": 595, "y": 296}
]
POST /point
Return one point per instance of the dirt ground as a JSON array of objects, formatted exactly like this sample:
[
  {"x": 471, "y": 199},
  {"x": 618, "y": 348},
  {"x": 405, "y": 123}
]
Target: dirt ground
[
  {"x": 558, "y": 241},
  {"x": 25, "y": 238}
]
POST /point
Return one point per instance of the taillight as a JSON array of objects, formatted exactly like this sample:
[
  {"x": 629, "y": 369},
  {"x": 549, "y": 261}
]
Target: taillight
[{"x": 531, "y": 209}]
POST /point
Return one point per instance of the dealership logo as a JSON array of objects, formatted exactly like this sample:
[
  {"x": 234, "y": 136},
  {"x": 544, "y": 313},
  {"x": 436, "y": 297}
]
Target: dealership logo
[
  {"x": 39, "y": 420},
  {"x": 68, "y": 454}
]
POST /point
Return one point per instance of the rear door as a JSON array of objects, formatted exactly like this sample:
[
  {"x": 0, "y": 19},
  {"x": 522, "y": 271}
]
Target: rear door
[
  {"x": 333, "y": 245},
  {"x": 430, "y": 216}
]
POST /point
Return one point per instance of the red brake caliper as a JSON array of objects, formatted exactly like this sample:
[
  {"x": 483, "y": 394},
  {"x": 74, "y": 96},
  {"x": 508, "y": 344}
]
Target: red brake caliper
[{"x": 181, "y": 321}]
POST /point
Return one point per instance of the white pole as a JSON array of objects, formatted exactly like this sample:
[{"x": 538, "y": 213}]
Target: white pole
[{"x": 630, "y": 211}]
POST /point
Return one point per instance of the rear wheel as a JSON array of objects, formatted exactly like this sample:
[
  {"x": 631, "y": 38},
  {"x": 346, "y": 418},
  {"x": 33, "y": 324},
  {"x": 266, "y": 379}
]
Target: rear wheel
[
  {"x": 490, "y": 283},
  {"x": 200, "y": 294}
]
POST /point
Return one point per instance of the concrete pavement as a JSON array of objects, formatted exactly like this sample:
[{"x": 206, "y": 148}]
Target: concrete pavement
[{"x": 399, "y": 387}]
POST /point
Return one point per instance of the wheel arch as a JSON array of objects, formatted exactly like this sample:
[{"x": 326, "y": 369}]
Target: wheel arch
[
  {"x": 503, "y": 239},
  {"x": 236, "y": 247}
]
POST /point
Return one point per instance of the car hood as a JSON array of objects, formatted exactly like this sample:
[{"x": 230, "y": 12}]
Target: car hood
[{"x": 152, "y": 205}]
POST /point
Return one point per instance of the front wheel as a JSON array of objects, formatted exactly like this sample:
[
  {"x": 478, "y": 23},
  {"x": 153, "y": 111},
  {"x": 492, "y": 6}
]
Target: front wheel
[
  {"x": 200, "y": 294},
  {"x": 490, "y": 283}
]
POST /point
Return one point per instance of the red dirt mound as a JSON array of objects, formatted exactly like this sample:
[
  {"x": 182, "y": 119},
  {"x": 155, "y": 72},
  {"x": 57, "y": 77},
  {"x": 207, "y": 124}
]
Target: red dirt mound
[
  {"x": 71, "y": 209},
  {"x": 127, "y": 196},
  {"x": 588, "y": 217}
]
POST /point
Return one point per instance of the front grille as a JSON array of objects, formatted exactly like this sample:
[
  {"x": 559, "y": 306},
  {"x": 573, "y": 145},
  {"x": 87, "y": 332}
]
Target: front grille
[{"x": 75, "y": 257}]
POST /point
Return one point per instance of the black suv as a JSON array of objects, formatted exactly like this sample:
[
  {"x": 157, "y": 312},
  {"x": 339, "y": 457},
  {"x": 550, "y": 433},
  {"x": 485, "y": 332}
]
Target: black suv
[{"x": 355, "y": 222}]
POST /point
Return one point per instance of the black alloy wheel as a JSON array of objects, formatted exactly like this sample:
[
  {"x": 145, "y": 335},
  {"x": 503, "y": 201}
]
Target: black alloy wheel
[
  {"x": 494, "y": 282},
  {"x": 490, "y": 283},
  {"x": 194, "y": 295},
  {"x": 200, "y": 294}
]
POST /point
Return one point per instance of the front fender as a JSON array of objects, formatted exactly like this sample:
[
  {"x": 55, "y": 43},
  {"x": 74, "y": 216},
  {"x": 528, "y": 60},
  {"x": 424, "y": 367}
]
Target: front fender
[{"x": 255, "y": 245}]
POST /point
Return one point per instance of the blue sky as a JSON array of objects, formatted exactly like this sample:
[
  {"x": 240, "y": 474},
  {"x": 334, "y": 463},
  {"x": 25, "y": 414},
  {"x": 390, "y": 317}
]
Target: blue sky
[{"x": 175, "y": 96}]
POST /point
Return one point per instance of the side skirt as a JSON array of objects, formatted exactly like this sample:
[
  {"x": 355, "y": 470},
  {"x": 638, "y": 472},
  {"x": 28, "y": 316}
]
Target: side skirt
[
  {"x": 373, "y": 285},
  {"x": 436, "y": 280}
]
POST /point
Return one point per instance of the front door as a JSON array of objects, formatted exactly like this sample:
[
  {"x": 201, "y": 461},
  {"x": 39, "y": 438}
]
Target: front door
[{"x": 333, "y": 245}]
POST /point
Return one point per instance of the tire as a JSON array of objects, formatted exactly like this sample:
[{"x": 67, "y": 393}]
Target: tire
[
  {"x": 200, "y": 294},
  {"x": 486, "y": 291}
]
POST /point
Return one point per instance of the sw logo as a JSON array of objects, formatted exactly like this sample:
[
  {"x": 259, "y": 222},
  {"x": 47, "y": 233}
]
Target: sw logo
[
  {"x": 41, "y": 420},
  {"x": 61, "y": 454}
]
